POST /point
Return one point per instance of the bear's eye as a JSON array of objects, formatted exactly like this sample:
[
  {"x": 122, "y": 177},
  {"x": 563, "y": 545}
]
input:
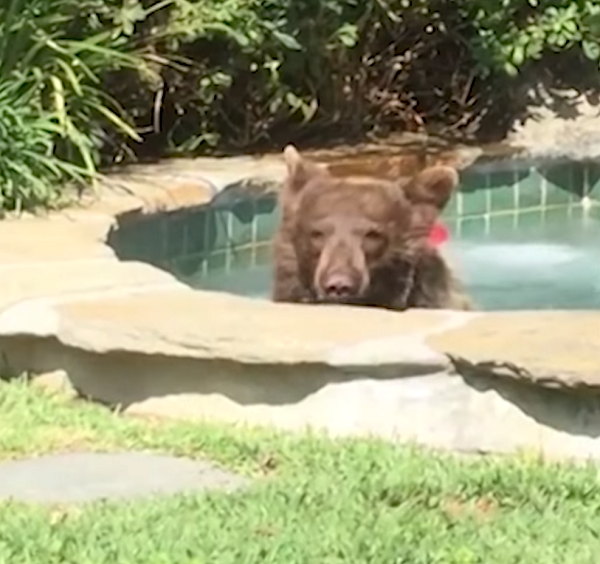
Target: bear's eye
[
  {"x": 374, "y": 236},
  {"x": 316, "y": 234}
]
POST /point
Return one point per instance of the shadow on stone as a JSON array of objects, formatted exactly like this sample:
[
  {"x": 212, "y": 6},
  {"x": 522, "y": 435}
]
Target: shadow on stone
[
  {"x": 575, "y": 410},
  {"x": 467, "y": 409},
  {"x": 124, "y": 378}
]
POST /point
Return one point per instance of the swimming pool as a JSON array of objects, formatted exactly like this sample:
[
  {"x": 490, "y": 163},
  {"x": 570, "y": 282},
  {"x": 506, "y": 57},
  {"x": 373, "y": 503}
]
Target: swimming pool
[
  {"x": 525, "y": 235},
  {"x": 531, "y": 263}
]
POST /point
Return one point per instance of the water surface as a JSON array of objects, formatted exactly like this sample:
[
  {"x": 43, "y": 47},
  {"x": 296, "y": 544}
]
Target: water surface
[{"x": 552, "y": 263}]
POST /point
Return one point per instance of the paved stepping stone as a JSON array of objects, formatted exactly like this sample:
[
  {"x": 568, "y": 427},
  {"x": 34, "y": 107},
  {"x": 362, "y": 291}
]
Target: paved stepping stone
[{"x": 78, "y": 477}]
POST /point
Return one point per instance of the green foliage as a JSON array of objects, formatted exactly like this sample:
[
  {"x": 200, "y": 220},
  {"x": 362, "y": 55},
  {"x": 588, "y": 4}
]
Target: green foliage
[
  {"x": 28, "y": 168},
  {"x": 53, "y": 54},
  {"x": 515, "y": 32},
  {"x": 188, "y": 76},
  {"x": 264, "y": 73}
]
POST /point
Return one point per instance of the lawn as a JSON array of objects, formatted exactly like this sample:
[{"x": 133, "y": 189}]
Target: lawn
[{"x": 314, "y": 500}]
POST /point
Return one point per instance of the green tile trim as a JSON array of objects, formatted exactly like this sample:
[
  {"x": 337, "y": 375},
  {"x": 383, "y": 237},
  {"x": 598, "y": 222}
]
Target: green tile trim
[{"x": 492, "y": 198}]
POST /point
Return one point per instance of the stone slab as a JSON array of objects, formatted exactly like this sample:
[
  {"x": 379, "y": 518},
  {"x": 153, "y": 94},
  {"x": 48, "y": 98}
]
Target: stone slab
[
  {"x": 53, "y": 238},
  {"x": 550, "y": 348},
  {"x": 82, "y": 477},
  {"x": 559, "y": 124},
  {"x": 439, "y": 411},
  {"x": 179, "y": 183},
  {"x": 470, "y": 414},
  {"x": 23, "y": 281},
  {"x": 214, "y": 325},
  {"x": 151, "y": 193}
]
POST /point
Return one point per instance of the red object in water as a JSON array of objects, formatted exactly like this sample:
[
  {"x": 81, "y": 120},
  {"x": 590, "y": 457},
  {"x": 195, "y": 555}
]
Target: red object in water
[{"x": 438, "y": 234}]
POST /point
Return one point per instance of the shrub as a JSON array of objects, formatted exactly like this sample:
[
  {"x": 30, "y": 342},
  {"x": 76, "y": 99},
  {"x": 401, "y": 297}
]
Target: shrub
[
  {"x": 254, "y": 74},
  {"x": 261, "y": 73},
  {"x": 53, "y": 110},
  {"x": 29, "y": 171}
]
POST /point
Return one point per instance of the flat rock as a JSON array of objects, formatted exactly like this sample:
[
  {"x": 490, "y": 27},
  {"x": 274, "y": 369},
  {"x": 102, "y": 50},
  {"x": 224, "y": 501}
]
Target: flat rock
[
  {"x": 53, "y": 238},
  {"x": 80, "y": 477},
  {"x": 560, "y": 124},
  {"x": 151, "y": 193},
  {"x": 23, "y": 281},
  {"x": 213, "y": 325},
  {"x": 553, "y": 349},
  {"x": 179, "y": 183},
  {"x": 176, "y": 183},
  {"x": 55, "y": 383}
]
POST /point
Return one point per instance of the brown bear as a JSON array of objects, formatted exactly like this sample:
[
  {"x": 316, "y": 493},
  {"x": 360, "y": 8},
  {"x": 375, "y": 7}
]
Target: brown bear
[{"x": 362, "y": 240}]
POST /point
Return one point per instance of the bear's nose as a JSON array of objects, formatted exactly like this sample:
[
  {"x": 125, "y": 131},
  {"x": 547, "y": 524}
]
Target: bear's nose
[{"x": 339, "y": 286}]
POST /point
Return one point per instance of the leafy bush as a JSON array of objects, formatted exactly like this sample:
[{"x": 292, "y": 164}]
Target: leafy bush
[
  {"x": 516, "y": 32},
  {"x": 258, "y": 74},
  {"x": 236, "y": 75},
  {"x": 28, "y": 168},
  {"x": 53, "y": 109}
]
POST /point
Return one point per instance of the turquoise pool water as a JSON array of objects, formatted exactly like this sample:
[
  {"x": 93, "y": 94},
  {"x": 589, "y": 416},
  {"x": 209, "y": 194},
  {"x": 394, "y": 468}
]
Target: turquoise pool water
[{"x": 536, "y": 260}]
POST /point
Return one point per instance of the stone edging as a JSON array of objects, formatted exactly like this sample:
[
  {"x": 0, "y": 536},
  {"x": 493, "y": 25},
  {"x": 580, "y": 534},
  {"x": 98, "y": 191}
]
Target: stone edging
[{"x": 130, "y": 334}]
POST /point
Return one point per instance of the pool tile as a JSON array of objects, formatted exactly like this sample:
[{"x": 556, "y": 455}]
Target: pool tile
[
  {"x": 530, "y": 221},
  {"x": 472, "y": 228},
  {"x": 593, "y": 212},
  {"x": 244, "y": 210},
  {"x": 195, "y": 236},
  {"x": 241, "y": 259},
  {"x": 580, "y": 180},
  {"x": 593, "y": 180},
  {"x": 502, "y": 199},
  {"x": 149, "y": 238},
  {"x": 263, "y": 254},
  {"x": 188, "y": 267},
  {"x": 452, "y": 225},
  {"x": 451, "y": 209},
  {"x": 555, "y": 214},
  {"x": 241, "y": 221},
  {"x": 559, "y": 183},
  {"x": 471, "y": 197},
  {"x": 530, "y": 190},
  {"x": 176, "y": 228},
  {"x": 217, "y": 230},
  {"x": 471, "y": 181},
  {"x": 217, "y": 261},
  {"x": 577, "y": 211},
  {"x": 266, "y": 204},
  {"x": 266, "y": 225},
  {"x": 474, "y": 203},
  {"x": 501, "y": 179},
  {"x": 502, "y": 224}
]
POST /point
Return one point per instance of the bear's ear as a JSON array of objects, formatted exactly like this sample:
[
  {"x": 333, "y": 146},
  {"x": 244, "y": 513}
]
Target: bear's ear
[
  {"x": 432, "y": 187},
  {"x": 428, "y": 193},
  {"x": 299, "y": 171}
]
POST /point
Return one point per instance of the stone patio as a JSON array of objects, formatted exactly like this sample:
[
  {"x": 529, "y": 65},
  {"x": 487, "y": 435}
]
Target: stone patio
[
  {"x": 130, "y": 334},
  {"x": 91, "y": 476}
]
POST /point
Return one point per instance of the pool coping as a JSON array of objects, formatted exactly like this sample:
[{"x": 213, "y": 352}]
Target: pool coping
[{"x": 129, "y": 334}]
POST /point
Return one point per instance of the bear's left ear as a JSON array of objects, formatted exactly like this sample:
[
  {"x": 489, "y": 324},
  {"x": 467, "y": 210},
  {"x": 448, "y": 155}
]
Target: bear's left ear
[
  {"x": 432, "y": 187},
  {"x": 300, "y": 171}
]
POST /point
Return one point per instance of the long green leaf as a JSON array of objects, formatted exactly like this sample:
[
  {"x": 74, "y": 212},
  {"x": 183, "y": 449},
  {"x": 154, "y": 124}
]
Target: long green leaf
[{"x": 114, "y": 118}]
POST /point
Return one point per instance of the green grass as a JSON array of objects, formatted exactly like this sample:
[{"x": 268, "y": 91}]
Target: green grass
[{"x": 314, "y": 500}]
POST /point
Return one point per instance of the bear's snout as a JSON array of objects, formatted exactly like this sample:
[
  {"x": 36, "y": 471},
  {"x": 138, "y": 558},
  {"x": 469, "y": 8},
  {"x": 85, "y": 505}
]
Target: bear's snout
[
  {"x": 341, "y": 275},
  {"x": 340, "y": 286}
]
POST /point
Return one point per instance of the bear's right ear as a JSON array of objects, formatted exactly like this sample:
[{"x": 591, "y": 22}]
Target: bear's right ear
[
  {"x": 429, "y": 192},
  {"x": 432, "y": 187},
  {"x": 300, "y": 171}
]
